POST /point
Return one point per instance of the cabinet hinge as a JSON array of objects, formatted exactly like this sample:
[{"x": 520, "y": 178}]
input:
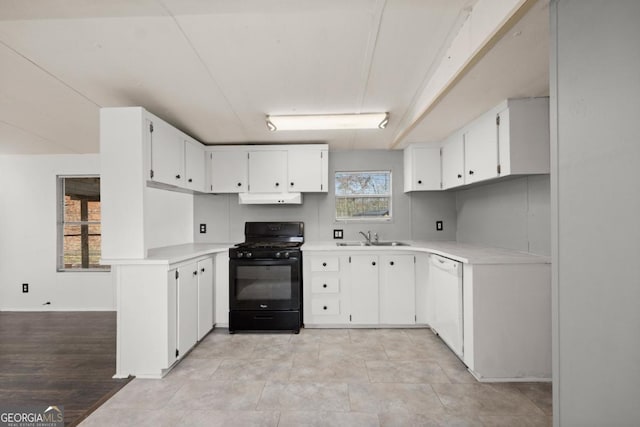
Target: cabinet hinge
[
  {"x": 177, "y": 274},
  {"x": 414, "y": 259},
  {"x": 497, "y": 120},
  {"x": 248, "y": 156},
  {"x": 211, "y": 156},
  {"x": 440, "y": 151},
  {"x": 498, "y": 169},
  {"x": 151, "y": 173},
  {"x": 321, "y": 154},
  {"x": 211, "y": 187},
  {"x": 415, "y": 317},
  {"x": 177, "y": 353},
  {"x": 321, "y": 185},
  {"x": 349, "y": 318},
  {"x": 151, "y": 127},
  {"x": 349, "y": 259},
  {"x": 441, "y": 185}
]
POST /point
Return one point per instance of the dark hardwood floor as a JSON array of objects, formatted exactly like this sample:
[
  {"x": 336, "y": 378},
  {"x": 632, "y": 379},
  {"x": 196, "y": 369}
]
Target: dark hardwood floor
[{"x": 58, "y": 358}]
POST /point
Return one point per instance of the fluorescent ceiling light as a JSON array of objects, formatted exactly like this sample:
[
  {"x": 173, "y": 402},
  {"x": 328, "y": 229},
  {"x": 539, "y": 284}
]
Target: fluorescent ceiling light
[{"x": 328, "y": 121}]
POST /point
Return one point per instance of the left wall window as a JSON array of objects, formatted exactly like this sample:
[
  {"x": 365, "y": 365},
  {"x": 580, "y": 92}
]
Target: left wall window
[{"x": 79, "y": 228}]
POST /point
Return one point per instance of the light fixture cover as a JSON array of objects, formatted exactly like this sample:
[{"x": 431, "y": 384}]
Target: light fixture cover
[{"x": 328, "y": 122}]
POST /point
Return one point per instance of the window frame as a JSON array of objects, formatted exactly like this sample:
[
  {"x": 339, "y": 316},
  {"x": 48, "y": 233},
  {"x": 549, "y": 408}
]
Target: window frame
[
  {"x": 60, "y": 224},
  {"x": 364, "y": 219}
]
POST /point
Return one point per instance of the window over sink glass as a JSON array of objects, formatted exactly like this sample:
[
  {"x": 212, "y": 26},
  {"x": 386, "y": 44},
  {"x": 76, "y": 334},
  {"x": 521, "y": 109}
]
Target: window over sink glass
[
  {"x": 363, "y": 195},
  {"x": 79, "y": 224}
]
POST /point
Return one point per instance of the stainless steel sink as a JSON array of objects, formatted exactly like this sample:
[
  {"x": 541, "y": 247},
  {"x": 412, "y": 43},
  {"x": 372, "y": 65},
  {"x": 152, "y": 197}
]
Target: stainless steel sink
[
  {"x": 389, "y": 244},
  {"x": 392, "y": 243},
  {"x": 352, "y": 244}
]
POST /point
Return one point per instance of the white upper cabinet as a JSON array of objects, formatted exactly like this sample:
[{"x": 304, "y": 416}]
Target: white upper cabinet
[
  {"x": 307, "y": 170},
  {"x": 523, "y": 137},
  {"x": 167, "y": 154},
  {"x": 453, "y": 172},
  {"x": 422, "y": 168},
  {"x": 481, "y": 149},
  {"x": 194, "y": 165},
  {"x": 228, "y": 171},
  {"x": 510, "y": 139},
  {"x": 267, "y": 171}
]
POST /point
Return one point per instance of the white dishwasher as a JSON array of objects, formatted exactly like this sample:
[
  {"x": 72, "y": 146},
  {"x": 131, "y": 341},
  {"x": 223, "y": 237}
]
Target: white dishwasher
[{"x": 445, "y": 275}]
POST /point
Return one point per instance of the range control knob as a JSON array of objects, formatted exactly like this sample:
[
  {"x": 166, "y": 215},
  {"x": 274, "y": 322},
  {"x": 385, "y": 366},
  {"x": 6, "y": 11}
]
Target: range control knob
[
  {"x": 286, "y": 254},
  {"x": 239, "y": 254},
  {"x": 278, "y": 254},
  {"x": 247, "y": 255}
]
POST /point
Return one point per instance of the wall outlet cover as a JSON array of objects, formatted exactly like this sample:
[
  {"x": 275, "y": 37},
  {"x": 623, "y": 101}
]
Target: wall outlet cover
[
  {"x": 439, "y": 225},
  {"x": 203, "y": 228},
  {"x": 25, "y": 288},
  {"x": 338, "y": 234}
]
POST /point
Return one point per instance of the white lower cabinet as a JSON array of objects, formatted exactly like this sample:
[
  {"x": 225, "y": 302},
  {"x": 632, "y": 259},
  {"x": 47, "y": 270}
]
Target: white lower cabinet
[
  {"x": 359, "y": 289},
  {"x": 187, "y": 288},
  {"x": 397, "y": 290},
  {"x": 363, "y": 284},
  {"x": 162, "y": 313},
  {"x": 205, "y": 297},
  {"x": 324, "y": 294}
]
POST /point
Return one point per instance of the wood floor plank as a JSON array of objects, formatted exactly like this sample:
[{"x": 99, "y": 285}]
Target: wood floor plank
[{"x": 58, "y": 358}]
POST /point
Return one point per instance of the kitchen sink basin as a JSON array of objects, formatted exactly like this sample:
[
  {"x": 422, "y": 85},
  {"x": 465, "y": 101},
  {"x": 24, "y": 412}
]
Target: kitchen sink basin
[
  {"x": 390, "y": 244},
  {"x": 393, "y": 243}
]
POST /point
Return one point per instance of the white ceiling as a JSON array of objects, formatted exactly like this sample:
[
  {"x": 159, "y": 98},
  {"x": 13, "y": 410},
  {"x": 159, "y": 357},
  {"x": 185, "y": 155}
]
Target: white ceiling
[{"x": 216, "y": 68}]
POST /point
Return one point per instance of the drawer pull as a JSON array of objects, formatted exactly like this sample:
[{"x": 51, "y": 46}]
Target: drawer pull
[
  {"x": 324, "y": 285},
  {"x": 324, "y": 307},
  {"x": 324, "y": 264},
  {"x": 391, "y": 263},
  {"x": 373, "y": 263}
]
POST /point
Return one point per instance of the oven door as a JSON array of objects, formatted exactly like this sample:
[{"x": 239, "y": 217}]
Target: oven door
[{"x": 261, "y": 284}]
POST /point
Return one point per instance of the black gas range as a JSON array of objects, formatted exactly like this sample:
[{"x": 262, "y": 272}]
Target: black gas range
[{"x": 265, "y": 278}]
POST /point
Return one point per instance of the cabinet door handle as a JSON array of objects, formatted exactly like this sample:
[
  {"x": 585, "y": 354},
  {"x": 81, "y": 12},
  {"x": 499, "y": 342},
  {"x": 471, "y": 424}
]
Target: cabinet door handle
[
  {"x": 277, "y": 184},
  {"x": 391, "y": 263},
  {"x": 202, "y": 271},
  {"x": 459, "y": 175},
  {"x": 177, "y": 176},
  {"x": 324, "y": 307},
  {"x": 373, "y": 263},
  {"x": 292, "y": 184},
  {"x": 419, "y": 181},
  {"x": 324, "y": 264},
  {"x": 190, "y": 180},
  {"x": 195, "y": 273},
  {"x": 324, "y": 285},
  {"x": 470, "y": 172},
  {"x": 239, "y": 184}
]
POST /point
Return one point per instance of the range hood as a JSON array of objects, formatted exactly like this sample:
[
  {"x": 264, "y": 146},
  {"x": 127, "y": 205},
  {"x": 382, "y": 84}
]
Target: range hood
[{"x": 270, "y": 198}]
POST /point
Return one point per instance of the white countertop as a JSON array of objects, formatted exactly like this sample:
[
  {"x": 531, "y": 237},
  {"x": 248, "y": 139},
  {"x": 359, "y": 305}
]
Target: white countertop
[
  {"x": 463, "y": 252},
  {"x": 173, "y": 254}
]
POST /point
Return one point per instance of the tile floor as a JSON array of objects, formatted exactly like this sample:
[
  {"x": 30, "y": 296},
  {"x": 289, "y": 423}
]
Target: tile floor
[{"x": 324, "y": 377}]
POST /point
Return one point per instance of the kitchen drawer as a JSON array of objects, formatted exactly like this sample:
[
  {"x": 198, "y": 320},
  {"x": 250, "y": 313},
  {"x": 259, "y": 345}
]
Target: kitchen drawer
[
  {"x": 328, "y": 306},
  {"x": 325, "y": 264},
  {"x": 325, "y": 285}
]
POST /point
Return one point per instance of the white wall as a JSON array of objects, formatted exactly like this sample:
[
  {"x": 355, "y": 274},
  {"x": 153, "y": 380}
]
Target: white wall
[
  {"x": 595, "y": 110},
  {"x": 512, "y": 214},
  {"x": 28, "y": 238},
  {"x": 414, "y": 214}
]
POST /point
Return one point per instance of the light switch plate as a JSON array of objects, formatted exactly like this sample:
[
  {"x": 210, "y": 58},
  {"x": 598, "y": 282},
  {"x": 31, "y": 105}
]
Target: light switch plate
[
  {"x": 338, "y": 234},
  {"x": 439, "y": 225}
]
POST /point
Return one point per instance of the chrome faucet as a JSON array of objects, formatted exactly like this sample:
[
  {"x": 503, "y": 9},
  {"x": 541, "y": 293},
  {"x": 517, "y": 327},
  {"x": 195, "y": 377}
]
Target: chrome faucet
[{"x": 366, "y": 236}]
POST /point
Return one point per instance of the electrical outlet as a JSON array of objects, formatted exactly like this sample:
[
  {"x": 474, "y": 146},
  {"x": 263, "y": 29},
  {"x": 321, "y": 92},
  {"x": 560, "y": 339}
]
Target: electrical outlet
[
  {"x": 439, "y": 225},
  {"x": 203, "y": 228},
  {"x": 338, "y": 234},
  {"x": 25, "y": 288}
]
